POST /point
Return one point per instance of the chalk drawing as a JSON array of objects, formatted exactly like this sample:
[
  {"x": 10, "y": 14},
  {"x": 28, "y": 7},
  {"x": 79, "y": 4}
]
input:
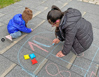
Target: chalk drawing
[
  {"x": 57, "y": 69},
  {"x": 42, "y": 37},
  {"x": 92, "y": 73},
  {"x": 31, "y": 45},
  {"x": 91, "y": 62},
  {"x": 41, "y": 43},
  {"x": 27, "y": 71},
  {"x": 69, "y": 62}
]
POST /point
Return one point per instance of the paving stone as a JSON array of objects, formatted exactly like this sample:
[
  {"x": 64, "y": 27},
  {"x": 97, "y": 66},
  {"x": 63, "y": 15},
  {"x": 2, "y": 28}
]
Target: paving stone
[
  {"x": 96, "y": 39},
  {"x": 90, "y": 1},
  {"x": 4, "y": 32},
  {"x": 93, "y": 2},
  {"x": 58, "y": 3},
  {"x": 40, "y": 8},
  {"x": 34, "y": 22},
  {"x": 33, "y": 1},
  {"x": 85, "y": 0},
  {"x": 8, "y": 16},
  {"x": 7, "y": 21},
  {"x": 96, "y": 60},
  {"x": 29, "y": 3},
  {"x": 5, "y": 17},
  {"x": 16, "y": 5},
  {"x": 13, "y": 52},
  {"x": 44, "y": 14},
  {"x": 93, "y": 19},
  {"x": 84, "y": 67},
  {"x": 4, "y": 64},
  {"x": 53, "y": 69},
  {"x": 1, "y": 24},
  {"x": 47, "y": 26},
  {"x": 9, "y": 9},
  {"x": 48, "y": 3},
  {"x": 64, "y": 1},
  {"x": 1, "y": 14},
  {"x": 17, "y": 72},
  {"x": 92, "y": 70},
  {"x": 16, "y": 54},
  {"x": 82, "y": 7},
  {"x": 89, "y": 53},
  {"x": 98, "y": 73}
]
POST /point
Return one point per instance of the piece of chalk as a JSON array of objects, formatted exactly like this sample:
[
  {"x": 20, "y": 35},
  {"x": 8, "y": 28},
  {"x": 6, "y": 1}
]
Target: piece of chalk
[{"x": 53, "y": 44}]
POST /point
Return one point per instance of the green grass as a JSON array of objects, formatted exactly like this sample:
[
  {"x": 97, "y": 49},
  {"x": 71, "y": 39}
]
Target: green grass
[{"x": 4, "y": 3}]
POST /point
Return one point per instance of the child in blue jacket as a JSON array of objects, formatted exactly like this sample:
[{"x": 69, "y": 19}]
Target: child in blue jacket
[{"x": 18, "y": 24}]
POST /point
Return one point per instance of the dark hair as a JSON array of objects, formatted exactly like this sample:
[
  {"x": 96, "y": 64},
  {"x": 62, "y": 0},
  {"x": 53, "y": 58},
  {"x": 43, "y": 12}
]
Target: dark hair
[{"x": 54, "y": 14}]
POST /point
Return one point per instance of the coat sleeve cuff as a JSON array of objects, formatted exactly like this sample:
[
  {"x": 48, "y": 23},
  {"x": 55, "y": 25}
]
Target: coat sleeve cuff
[{"x": 64, "y": 52}]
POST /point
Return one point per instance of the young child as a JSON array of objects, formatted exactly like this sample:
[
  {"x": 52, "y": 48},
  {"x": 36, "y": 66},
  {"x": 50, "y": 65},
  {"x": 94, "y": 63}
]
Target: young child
[
  {"x": 18, "y": 24},
  {"x": 71, "y": 28}
]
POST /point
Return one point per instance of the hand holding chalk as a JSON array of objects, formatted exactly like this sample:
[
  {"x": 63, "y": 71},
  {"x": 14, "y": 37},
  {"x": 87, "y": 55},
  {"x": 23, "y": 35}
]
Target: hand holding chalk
[{"x": 53, "y": 44}]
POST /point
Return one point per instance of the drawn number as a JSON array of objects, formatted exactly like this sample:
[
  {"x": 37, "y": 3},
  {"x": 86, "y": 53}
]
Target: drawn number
[{"x": 31, "y": 46}]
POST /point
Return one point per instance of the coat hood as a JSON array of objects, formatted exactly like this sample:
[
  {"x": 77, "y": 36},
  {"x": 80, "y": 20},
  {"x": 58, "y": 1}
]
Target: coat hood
[{"x": 70, "y": 17}]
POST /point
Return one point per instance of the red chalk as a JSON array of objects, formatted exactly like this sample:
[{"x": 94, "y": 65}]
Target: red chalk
[{"x": 34, "y": 61}]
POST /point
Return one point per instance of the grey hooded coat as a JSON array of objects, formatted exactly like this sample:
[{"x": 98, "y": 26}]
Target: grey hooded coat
[{"x": 75, "y": 31}]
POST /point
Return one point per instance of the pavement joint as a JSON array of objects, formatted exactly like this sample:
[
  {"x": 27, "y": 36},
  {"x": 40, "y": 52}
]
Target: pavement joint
[{"x": 8, "y": 70}]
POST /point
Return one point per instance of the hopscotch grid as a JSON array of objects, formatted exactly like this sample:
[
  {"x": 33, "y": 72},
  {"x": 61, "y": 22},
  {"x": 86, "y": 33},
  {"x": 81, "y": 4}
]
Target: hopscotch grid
[
  {"x": 27, "y": 71},
  {"x": 73, "y": 64},
  {"x": 91, "y": 62},
  {"x": 69, "y": 62},
  {"x": 32, "y": 74},
  {"x": 81, "y": 67}
]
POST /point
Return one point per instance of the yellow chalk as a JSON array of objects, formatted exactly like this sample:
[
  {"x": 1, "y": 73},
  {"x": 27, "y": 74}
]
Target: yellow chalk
[{"x": 26, "y": 57}]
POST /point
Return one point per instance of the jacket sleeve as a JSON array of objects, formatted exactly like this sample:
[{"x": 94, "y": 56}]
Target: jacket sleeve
[
  {"x": 23, "y": 28},
  {"x": 59, "y": 36},
  {"x": 69, "y": 39}
]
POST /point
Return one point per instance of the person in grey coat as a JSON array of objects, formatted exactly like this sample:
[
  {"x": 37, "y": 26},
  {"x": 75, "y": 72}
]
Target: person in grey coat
[{"x": 72, "y": 28}]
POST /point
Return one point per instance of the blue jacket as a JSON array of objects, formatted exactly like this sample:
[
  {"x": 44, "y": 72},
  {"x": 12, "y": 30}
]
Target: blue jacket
[{"x": 17, "y": 24}]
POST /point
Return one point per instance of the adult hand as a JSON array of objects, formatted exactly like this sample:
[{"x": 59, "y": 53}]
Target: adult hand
[
  {"x": 56, "y": 40},
  {"x": 60, "y": 54}
]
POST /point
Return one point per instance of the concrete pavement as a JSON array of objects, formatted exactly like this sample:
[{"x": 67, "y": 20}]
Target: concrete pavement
[{"x": 12, "y": 63}]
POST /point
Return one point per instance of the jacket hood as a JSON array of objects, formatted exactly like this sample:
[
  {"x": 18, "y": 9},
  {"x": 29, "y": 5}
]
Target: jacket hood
[{"x": 70, "y": 17}]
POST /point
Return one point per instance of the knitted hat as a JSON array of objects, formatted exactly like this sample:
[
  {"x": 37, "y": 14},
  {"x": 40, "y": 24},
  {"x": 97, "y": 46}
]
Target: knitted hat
[{"x": 27, "y": 14}]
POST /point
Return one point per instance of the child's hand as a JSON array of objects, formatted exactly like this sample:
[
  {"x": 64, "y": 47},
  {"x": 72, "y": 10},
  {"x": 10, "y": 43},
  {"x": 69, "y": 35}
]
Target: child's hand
[
  {"x": 56, "y": 40},
  {"x": 31, "y": 29}
]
